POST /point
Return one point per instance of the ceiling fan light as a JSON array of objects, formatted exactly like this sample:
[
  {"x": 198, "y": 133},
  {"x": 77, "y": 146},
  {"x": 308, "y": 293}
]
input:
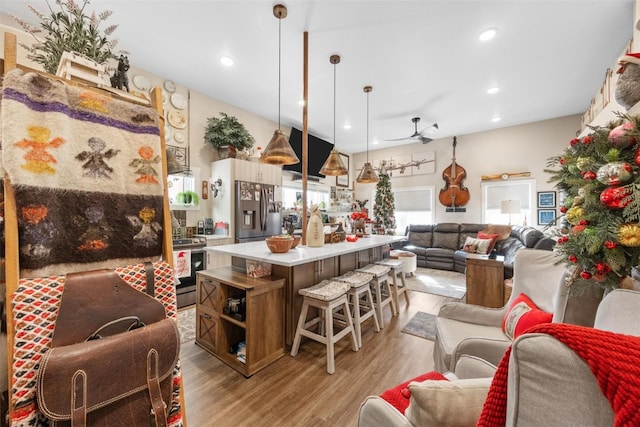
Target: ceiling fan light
[
  {"x": 334, "y": 166},
  {"x": 367, "y": 175}
]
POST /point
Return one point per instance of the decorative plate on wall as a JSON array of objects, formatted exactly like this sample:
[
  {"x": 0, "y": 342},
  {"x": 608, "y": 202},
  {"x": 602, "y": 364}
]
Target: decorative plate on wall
[
  {"x": 177, "y": 119},
  {"x": 179, "y": 137},
  {"x": 167, "y": 132},
  {"x": 169, "y": 86},
  {"x": 178, "y": 101},
  {"x": 141, "y": 82}
]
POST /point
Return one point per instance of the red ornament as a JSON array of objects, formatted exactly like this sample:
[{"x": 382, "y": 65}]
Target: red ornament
[
  {"x": 587, "y": 140},
  {"x": 573, "y": 258},
  {"x": 574, "y": 141},
  {"x": 637, "y": 159},
  {"x": 577, "y": 229},
  {"x": 562, "y": 160},
  {"x": 613, "y": 197},
  {"x": 562, "y": 240},
  {"x": 583, "y": 222},
  {"x": 610, "y": 245},
  {"x": 589, "y": 175},
  {"x": 563, "y": 209},
  {"x": 585, "y": 275}
]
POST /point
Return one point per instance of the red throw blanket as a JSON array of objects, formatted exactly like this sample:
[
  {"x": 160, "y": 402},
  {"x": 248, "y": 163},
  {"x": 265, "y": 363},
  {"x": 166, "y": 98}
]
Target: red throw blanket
[{"x": 614, "y": 360}]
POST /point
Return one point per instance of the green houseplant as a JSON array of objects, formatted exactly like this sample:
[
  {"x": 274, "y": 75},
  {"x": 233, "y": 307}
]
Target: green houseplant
[
  {"x": 227, "y": 135},
  {"x": 69, "y": 28},
  {"x": 188, "y": 198}
]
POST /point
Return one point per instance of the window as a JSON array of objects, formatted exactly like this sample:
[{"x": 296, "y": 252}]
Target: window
[
  {"x": 413, "y": 205},
  {"x": 292, "y": 197},
  {"x": 494, "y": 193}
]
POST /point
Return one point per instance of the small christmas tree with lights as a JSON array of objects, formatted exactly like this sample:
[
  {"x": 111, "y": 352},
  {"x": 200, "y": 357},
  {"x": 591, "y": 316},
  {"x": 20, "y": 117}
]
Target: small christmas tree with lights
[
  {"x": 384, "y": 207},
  {"x": 600, "y": 176}
]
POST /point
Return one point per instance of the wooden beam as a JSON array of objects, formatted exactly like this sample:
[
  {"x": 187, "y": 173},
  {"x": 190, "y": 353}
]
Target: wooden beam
[{"x": 305, "y": 134}]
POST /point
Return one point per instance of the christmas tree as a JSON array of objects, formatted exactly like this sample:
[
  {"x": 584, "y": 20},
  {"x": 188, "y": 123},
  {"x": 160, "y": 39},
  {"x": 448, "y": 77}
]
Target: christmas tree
[
  {"x": 384, "y": 207},
  {"x": 600, "y": 176}
]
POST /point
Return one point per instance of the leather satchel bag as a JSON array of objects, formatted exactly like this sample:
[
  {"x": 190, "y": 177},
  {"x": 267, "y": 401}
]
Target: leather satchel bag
[{"x": 112, "y": 355}]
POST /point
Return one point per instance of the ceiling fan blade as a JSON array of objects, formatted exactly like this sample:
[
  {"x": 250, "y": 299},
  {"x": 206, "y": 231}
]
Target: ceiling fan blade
[
  {"x": 401, "y": 139},
  {"x": 431, "y": 129},
  {"x": 424, "y": 139}
]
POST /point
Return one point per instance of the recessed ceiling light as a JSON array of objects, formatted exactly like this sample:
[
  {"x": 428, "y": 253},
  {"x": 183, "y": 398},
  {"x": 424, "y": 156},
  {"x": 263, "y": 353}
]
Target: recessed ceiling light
[
  {"x": 375, "y": 142},
  {"x": 496, "y": 119},
  {"x": 347, "y": 126},
  {"x": 493, "y": 90},
  {"x": 227, "y": 61},
  {"x": 487, "y": 34}
]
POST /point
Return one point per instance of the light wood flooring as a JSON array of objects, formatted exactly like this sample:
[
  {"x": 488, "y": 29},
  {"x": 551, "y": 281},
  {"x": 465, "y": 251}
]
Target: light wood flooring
[{"x": 297, "y": 391}]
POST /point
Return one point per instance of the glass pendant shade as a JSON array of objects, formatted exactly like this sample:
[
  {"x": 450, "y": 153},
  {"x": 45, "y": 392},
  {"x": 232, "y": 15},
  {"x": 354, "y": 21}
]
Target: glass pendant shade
[
  {"x": 279, "y": 151},
  {"x": 334, "y": 165},
  {"x": 367, "y": 175}
]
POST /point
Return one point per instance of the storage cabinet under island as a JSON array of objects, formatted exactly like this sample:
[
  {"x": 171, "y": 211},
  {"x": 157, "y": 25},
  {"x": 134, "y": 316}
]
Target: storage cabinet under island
[
  {"x": 235, "y": 313},
  {"x": 305, "y": 266}
]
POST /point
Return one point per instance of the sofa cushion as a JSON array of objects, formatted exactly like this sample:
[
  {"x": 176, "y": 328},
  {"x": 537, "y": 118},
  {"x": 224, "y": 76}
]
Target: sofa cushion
[
  {"x": 521, "y": 315},
  {"x": 477, "y": 246},
  {"x": 446, "y": 235},
  {"x": 418, "y": 250},
  {"x": 420, "y": 235},
  {"x": 529, "y": 236},
  {"x": 399, "y": 396},
  {"x": 493, "y": 237},
  {"x": 447, "y": 403},
  {"x": 503, "y": 231}
]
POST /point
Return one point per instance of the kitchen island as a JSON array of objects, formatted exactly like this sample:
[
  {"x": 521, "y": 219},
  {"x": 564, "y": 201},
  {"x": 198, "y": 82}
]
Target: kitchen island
[{"x": 305, "y": 266}]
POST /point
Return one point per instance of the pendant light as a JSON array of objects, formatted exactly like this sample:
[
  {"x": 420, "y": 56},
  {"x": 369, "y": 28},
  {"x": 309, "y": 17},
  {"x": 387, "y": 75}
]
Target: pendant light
[
  {"x": 367, "y": 174},
  {"x": 279, "y": 151},
  {"x": 333, "y": 166}
]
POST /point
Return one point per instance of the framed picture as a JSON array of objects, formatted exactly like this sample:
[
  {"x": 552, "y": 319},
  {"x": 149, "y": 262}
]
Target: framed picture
[
  {"x": 546, "y": 216},
  {"x": 343, "y": 180},
  {"x": 546, "y": 199}
]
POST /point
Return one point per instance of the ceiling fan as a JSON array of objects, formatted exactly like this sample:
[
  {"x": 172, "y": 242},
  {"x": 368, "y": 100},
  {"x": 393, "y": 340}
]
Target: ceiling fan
[{"x": 419, "y": 136}]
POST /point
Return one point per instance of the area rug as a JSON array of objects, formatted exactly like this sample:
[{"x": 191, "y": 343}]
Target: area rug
[
  {"x": 422, "y": 325},
  {"x": 438, "y": 282},
  {"x": 187, "y": 325}
]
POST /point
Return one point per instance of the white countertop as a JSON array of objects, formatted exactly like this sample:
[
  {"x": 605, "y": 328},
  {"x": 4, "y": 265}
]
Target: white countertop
[{"x": 258, "y": 251}]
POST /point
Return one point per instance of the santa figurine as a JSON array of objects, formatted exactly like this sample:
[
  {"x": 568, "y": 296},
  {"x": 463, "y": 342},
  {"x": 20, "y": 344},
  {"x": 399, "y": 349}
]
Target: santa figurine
[{"x": 628, "y": 85}]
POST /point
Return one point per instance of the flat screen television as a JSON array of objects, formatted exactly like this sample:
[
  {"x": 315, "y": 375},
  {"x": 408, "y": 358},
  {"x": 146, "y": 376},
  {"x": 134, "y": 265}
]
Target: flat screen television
[{"x": 319, "y": 150}]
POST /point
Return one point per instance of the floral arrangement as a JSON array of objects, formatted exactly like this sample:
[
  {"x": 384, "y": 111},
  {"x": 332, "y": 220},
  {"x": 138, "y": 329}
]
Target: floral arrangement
[
  {"x": 359, "y": 215},
  {"x": 600, "y": 176},
  {"x": 69, "y": 29}
]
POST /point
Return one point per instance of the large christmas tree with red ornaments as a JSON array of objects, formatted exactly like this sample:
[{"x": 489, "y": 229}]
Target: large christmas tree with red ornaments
[{"x": 599, "y": 175}]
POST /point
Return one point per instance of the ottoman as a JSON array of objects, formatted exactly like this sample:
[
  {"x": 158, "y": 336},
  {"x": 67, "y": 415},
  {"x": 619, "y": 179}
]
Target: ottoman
[{"x": 409, "y": 261}]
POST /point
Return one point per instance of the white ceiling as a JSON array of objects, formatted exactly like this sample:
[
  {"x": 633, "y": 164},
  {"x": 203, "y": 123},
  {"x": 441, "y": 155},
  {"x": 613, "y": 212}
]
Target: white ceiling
[{"x": 423, "y": 58}]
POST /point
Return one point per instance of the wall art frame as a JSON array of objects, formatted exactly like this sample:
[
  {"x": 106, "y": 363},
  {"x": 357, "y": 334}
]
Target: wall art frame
[
  {"x": 546, "y": 216},
  {"x": 343, "y": 180},
  {"x": 546, "y": 199}
]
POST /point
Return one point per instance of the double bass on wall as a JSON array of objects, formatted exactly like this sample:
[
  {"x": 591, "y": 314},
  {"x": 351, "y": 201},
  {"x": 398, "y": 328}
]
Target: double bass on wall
[{"x": 454, "y": 194}]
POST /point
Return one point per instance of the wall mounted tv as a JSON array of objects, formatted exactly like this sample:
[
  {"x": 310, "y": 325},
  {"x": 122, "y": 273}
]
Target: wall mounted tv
[{"x": 319, "y": 150}]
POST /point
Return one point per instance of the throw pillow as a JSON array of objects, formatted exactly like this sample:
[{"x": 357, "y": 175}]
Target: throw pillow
[
  {"x": 399, "y": 396},
  {"x": 478, "y": 246},
  {"x": 503, "y": 231},
  {"x": 447, "y": 403},
  {"x": 492, "y": 237},
  {"x": 521, "y": 315}
]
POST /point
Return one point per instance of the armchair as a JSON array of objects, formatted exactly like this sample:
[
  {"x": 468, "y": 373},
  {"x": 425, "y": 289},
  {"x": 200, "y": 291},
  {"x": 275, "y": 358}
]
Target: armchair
[
  {"x": 469, "y": 329},
  {"x": 544, "y": 372}
]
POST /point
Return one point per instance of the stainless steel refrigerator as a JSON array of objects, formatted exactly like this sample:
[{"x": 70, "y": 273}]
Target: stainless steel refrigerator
[{"x": 257, "y": 214}]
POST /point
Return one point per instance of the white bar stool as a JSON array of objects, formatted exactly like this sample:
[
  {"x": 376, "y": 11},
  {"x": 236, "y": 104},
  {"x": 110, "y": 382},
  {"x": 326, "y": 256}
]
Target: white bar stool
[
  {"x": 379, "y": 282},
  {"x": 360, "y": 290},
  {"x": 326, "y": 296},
  {"x": 398, "y": 271}
]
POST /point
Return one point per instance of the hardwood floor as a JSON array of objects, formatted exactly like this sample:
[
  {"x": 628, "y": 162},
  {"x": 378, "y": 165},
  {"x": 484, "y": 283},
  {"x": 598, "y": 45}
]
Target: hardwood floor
[{"x": 297, "y": 391}]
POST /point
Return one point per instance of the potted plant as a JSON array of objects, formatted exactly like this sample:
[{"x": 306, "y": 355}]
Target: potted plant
[
  {"x": 187, "y": 198},
  {"x": 227, "y": 135},
  {"x": 69, "y": 29}
]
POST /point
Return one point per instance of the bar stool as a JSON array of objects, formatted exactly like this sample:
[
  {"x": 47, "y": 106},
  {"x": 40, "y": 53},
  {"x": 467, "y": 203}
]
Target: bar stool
[
  {"x": 379, "y": 281},
  {"x": 360, "y": 310},
  {"x": 398, "y": 271},
  {"x": 326, "y": 296}
]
